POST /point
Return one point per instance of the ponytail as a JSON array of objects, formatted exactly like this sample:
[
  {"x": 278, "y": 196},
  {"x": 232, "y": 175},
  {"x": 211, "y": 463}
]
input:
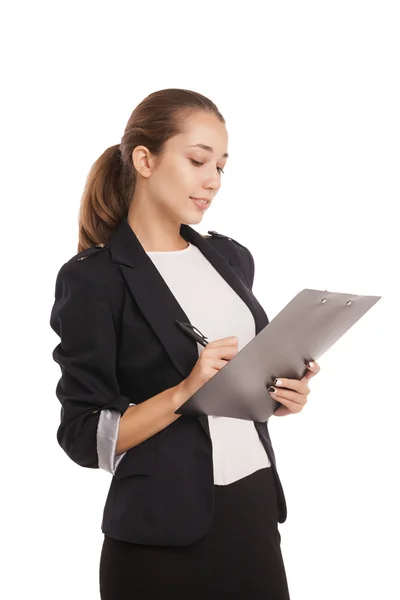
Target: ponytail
[{"x": 103, "y": 201}]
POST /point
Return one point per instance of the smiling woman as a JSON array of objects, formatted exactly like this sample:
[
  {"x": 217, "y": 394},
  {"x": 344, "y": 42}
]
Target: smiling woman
[
  {"x": 184, "y": 176},
  {"x": 155, "y": 178},
  {"x": 189, "y": 512}
]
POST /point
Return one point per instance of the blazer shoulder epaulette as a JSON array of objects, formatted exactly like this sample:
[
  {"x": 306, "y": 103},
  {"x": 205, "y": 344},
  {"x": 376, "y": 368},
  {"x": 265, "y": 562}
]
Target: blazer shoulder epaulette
[
  {"x": 215, "y": 234},
  {"x": 91, "y": 251}
]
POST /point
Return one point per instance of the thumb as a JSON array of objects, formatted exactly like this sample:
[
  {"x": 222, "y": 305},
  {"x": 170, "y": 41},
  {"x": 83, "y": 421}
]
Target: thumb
[{"x": 310, "y": 373}]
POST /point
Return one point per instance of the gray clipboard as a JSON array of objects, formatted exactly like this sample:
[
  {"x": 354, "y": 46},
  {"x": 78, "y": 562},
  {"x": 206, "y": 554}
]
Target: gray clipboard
[{"x": 303, "y": 331}]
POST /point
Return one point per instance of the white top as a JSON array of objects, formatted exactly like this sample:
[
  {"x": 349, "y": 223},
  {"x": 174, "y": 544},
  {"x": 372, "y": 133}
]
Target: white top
[{"x": 218, "y": 312}]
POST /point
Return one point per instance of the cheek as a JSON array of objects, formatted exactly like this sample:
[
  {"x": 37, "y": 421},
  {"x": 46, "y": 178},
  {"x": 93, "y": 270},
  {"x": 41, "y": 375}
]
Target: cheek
[
  {"x": 181, "y": 178},
  {"x": 163, "y": 186},
  {"x": 177, "y": 180}
]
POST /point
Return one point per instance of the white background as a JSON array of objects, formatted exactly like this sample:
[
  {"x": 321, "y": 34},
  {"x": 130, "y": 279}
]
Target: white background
[{"x": 310, "y": 93}]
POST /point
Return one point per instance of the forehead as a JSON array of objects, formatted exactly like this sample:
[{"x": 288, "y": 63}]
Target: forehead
[{"x": 205, "y": 130}]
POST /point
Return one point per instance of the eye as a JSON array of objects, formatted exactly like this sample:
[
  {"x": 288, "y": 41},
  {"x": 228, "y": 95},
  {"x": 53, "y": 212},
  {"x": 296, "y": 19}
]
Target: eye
[{"x": 198, "y": 164}]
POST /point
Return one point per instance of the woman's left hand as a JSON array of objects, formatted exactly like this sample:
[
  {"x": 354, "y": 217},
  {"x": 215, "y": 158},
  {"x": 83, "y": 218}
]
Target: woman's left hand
[{"x": 293, "y": 393}]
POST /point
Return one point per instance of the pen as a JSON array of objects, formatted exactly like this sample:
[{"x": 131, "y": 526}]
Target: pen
[{"x": 188, "y": 329}]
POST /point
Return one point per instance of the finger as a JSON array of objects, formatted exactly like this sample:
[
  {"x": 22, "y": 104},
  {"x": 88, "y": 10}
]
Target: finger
[
  {"x": 282, "y": 411},
  {"x": 292, "y": 384},
  {"x": 292, "y": 396},
  {"x": 228, "y": 341},
  {"x": 291, "y": 405},
  {"x": 313, "y": 369}
]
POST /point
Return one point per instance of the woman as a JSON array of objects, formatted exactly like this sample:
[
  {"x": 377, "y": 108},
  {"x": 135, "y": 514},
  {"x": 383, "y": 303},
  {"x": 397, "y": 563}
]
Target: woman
[{"x": 194, "y": 502}]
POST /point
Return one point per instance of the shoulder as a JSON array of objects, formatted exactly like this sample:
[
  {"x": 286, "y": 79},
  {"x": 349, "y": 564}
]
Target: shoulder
[
  {"x": 220, "y": 238},
  {"x": 88, "y": 252},
  {"x": 89, "y": 280},
  {"x": 214, "y": 235},
  {"x": 234, "y": 249},
  {"x": 91, "y": 267}
]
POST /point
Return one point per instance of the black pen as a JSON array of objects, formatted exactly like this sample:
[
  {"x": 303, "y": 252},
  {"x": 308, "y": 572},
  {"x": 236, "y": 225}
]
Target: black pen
[{"x": 189, "y": 330}]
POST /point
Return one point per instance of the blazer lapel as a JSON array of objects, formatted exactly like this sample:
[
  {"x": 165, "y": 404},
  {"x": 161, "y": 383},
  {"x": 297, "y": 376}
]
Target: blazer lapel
[{"x": 157, "y": 302}]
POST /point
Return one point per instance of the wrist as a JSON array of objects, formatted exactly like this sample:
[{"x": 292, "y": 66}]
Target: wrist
[{"x": 179, "y": 394}]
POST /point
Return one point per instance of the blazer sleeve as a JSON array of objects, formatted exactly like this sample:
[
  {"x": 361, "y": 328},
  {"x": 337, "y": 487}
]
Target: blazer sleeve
[
  {"x": 246, "y": 260},
  {"x": 82, "y": 318},
  {"x": 250, "y": 267}
]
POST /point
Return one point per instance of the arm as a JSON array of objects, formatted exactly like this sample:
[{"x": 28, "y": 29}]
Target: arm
[
  {"x": 82, "y": 318},
  {"x": 116, "y": 434},
  {"x": 143, "y": 420},
  {"x": 251, "y": 267}
]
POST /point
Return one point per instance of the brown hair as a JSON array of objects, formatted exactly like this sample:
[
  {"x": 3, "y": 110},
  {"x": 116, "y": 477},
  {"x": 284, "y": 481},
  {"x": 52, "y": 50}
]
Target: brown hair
[{"x": 111, "y": 180}]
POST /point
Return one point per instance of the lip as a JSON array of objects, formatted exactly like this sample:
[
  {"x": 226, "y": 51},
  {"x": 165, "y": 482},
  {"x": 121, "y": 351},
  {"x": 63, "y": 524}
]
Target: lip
[{"x": 201, "y": 206}]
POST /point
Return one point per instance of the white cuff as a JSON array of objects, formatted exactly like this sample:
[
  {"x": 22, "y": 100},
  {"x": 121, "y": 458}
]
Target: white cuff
[{"x": 107, "y": 436}]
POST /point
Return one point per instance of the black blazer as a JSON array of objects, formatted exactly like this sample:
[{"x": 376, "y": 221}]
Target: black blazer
[{"x": 115, "y": 316}]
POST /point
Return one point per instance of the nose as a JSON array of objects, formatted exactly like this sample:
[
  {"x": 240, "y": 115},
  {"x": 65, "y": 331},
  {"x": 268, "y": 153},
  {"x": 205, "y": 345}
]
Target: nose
[{"x": 213, "y": 188}]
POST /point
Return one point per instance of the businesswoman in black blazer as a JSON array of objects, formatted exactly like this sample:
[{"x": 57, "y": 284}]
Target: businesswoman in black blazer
[{"x": 194, "y": 502}]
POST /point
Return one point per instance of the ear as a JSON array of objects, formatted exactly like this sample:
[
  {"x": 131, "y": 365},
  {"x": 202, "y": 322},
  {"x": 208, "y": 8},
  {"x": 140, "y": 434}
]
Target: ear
[{"x": 143, "y": 161}]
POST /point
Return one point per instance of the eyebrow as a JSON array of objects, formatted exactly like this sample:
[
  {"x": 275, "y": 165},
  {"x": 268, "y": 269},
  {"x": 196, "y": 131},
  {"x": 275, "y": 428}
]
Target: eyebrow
[{"x": 208, "y": 148}]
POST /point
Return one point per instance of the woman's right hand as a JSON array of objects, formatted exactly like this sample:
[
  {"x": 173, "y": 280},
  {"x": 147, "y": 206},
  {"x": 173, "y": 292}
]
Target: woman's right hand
[{"x": 211, "y": 360}]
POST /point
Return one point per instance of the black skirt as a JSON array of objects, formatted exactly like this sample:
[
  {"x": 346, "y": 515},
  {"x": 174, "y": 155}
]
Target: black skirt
[{"x": 239, "y": 557}]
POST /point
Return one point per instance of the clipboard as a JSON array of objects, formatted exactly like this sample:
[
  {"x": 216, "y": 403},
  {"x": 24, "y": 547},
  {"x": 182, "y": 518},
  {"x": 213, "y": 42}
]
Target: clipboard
[{"x": 303, "y": 331}]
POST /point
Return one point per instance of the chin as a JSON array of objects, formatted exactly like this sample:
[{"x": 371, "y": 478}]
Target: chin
[{"x": 192, "y": 218}]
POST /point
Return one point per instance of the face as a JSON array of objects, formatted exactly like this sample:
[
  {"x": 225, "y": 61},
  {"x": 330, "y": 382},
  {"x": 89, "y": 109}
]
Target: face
[{"x": 188, "y": 171}]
